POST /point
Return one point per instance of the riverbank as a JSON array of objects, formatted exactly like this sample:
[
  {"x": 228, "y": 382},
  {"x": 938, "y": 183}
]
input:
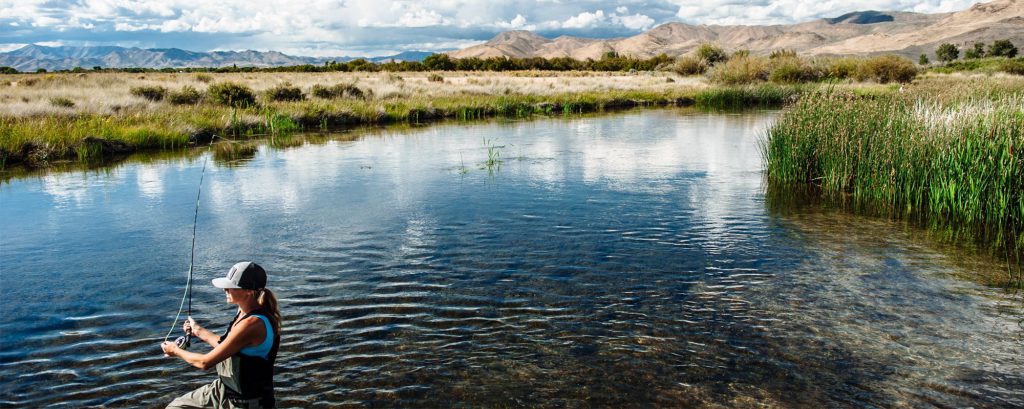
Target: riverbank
[
  {"x": 947, "y": 151},
  {"x": 91, "y": 117}
]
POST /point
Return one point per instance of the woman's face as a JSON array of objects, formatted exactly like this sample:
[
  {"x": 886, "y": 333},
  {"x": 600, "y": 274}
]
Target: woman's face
[{"x": 236, "y": 295}]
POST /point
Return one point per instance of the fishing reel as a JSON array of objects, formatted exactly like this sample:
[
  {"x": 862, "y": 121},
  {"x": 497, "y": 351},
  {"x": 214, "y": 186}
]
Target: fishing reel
[{"x": 184, "y": 341}]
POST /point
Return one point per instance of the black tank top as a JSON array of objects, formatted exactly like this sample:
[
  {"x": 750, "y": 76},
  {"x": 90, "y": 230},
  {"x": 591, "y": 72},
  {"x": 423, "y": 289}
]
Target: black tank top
[{"x": 255, "y": 374}]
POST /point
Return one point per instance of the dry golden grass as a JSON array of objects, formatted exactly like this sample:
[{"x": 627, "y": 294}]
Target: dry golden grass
[{"x": 108, "y": 93}]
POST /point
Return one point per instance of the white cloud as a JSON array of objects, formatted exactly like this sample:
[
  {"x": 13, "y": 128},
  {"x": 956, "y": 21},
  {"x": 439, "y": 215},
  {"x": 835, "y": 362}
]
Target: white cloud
[
  {"x": 371, "y": 26},
  {"x": 584, "y": 20},
  {"x": 10, "y": 47},
  {"x": 519, "y": 23},
  {"x": 635, "y": 22},
  {"x": 421, "y": 18}
]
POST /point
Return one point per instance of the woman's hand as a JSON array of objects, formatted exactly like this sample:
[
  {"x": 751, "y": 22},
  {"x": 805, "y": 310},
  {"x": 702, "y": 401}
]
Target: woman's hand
[
  {"x": 170, "y": 349},
  {"x": 191, "y": 327}
]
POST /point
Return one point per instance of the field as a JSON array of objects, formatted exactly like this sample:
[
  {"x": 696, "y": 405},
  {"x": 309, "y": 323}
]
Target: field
[{"x": 87, "y": 116}]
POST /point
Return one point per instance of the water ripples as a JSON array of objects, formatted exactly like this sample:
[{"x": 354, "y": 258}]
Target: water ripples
[{"x": 551, "y": 283}]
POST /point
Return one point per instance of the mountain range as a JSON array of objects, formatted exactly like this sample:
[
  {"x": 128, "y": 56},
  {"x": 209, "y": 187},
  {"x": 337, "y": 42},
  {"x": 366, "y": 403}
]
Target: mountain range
[
  {"x": 32, "y": 57},
  {"x": 859, "y": 33}
]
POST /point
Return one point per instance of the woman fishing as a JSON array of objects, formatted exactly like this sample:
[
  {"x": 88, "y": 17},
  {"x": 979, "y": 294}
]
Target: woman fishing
[{"x": 245, "y": 354}]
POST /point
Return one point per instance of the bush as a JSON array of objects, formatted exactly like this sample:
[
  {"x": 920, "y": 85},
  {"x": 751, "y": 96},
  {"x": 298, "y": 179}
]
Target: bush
[
  {"x": 792, "y": 70},
  {"x": 337, "y": 91},
  {"x": 843, "y": 68},
  {"x": 150, "y": 93},
  {"x": 204, "y": 78},
  {"x": 1015, "y": 67},
  {"x": 62, "y": 102},
  {"x": 185, "y": 96},
  {"x": 435, "y": 78},
  {"x": 231, "y": 94},
  {"x": 690, "y": 65},
  {"x": 887, "y": 68},
  {"x": 285, "y": 92},
  {"x": 713, "y": 55},
  {"x": 740, "y": 71},
  {"x": 776, "y": 54}
]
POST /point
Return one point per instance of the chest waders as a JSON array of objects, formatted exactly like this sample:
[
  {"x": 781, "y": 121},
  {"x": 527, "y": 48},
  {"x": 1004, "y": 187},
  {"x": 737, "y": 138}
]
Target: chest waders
[{"x": 246, "y": 377}]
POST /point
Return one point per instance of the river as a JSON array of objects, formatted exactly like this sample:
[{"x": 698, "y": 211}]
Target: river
[{"x": 623, "y": 260}]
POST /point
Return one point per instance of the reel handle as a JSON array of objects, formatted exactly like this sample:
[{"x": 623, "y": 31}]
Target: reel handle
[{"x": 184, "y": 341}]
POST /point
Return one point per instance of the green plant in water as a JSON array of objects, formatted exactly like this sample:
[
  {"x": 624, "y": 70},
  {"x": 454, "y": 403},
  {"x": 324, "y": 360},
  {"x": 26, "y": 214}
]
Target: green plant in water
[{"x": 493, "y": 155}]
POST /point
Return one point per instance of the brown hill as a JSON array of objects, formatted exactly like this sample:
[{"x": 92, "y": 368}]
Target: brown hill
[{"x": 858, "y": 33}]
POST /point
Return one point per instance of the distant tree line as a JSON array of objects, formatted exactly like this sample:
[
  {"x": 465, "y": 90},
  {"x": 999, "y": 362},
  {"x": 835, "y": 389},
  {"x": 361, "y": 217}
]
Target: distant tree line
[
  {"x": 1000, "y": 48},
  {"x": 611, "y": 61}
]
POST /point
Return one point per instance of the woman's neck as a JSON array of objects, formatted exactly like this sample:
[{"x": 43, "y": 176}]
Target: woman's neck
[{"x": 248, "y": 307}]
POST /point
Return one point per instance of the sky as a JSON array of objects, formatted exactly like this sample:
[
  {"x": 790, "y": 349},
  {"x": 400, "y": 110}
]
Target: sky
[{"x": 372, "y": 28}]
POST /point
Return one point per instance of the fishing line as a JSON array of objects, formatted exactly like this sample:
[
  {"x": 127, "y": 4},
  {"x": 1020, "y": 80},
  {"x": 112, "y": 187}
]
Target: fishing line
[{"x": 184, "y": 341}]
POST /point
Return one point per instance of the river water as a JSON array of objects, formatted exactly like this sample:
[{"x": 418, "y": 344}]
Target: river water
[{"x": 627, "y": 260}]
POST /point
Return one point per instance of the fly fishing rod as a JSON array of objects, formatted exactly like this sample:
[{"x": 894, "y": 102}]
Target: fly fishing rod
[{"x": 185, "y": 341}]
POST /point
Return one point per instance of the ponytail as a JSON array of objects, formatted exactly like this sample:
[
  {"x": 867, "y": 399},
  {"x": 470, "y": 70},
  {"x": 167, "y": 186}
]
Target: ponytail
[{"x": 268, "y": 301}]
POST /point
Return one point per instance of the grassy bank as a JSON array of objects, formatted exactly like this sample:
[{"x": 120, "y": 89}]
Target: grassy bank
[
  {"x": 948, "y": 151},
  {"x": 92, "y": 117}
]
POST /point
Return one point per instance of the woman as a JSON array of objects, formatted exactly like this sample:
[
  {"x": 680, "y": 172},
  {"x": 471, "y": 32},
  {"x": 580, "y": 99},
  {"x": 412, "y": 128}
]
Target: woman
[{"x": 245, "y": 354}]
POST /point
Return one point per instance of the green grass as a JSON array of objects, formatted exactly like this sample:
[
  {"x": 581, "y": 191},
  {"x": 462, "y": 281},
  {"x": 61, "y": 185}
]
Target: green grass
[
  {"x": 41, "y": 139},
  {"x": 950, "y": 161},
  {"x": 988, "y": 65}
]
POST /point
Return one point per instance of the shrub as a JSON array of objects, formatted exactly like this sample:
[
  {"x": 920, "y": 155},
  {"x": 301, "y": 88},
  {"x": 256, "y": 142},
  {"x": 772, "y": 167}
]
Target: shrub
[
  {"x": 922, "y": 60},
  {"x": 947, "y": 52},
  {"x": 843, "y": 68},
  {"x": 690, "y": 65},
  {"x": 887, "y": 68},
  {"x": 151, "y": 93},
  {"x": 204, "y": 78},
  {"x": 62, "y": 102},
  {"x": 792, "y": 70},
  {"x": 185, "y": 96},
  {"x": 337, "y": 91},
  {"x": 713, "y": 55},
  {"x": 435, "y": 78},
  {"x": 1015, "y": 67},
  {"x": 285, "y": 92},
  {"x": 740, "y": 71},
  {"x": 782, "y": 54},
  {"x": 231, "y": 94}
]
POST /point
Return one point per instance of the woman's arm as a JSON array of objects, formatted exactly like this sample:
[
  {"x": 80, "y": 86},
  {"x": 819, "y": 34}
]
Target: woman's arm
[{"x": 248, "y": 332}]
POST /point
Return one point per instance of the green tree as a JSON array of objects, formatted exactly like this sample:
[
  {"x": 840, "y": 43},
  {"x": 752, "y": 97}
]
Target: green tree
[
  {"x": 923, "y": 60},
  {"x": 977, "y": 52},
  {"x": 1002, "y": 48},
  {"x": 947, "y": 52},
  {"x": 438, "y": 62}
]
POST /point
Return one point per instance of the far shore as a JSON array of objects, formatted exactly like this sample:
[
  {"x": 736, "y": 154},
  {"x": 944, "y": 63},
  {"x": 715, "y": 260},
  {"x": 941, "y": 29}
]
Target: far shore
[
  {"x": 90, "y": 117},
  {"x": 46, "y": 118}
]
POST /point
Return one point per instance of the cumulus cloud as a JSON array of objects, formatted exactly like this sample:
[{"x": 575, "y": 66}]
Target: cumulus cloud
[
  {"x": 584, "y": 19},
  {"x": 369, "y": 27}
]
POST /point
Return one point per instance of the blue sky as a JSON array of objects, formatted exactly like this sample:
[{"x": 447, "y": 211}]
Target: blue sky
[{"x": 378, "y": 27}]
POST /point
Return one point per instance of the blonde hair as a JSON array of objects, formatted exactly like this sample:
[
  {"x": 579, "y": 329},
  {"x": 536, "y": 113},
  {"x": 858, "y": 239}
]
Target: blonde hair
[{"x": 268, "y": 301}]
